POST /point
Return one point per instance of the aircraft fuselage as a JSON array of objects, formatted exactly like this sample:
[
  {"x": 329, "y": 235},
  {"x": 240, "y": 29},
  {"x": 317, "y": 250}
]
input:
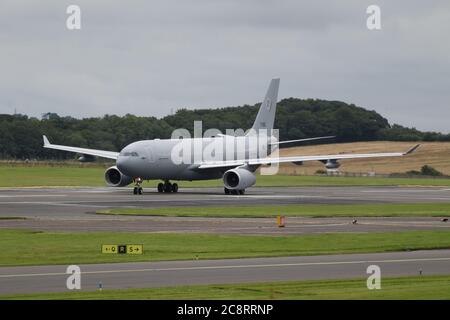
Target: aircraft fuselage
[{"x": 177, "y": 159}]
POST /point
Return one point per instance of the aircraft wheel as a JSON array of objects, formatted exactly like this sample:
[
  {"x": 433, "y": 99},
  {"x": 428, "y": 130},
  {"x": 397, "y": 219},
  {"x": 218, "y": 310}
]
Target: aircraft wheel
[
  {"x": 139, "y": 190},
  {"x": 226, "y": 190},
  {"x": 175, "y": 187},
  {"x": 235, "y": 192},
  {"x": 160, "y": 187},
  {"x": 242, "y": 191},
  {"x": 168, "y": 187},
  {"x": 135, "y": 190}
]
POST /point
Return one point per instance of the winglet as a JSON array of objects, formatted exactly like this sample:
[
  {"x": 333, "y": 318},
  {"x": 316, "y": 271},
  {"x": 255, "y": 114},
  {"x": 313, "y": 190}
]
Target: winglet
[
  {"x": 411, "y": 150},
  {"x": 46, "y": 142}
]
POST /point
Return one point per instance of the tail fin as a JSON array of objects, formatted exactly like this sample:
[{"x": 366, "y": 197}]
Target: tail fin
[{"x": 266, "y": 113}]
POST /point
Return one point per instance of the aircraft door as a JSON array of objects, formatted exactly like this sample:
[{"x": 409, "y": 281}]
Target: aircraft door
[{"x": 151, "y": 156}]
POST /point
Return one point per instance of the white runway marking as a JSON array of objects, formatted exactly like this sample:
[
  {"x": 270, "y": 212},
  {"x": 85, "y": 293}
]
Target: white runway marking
[
  {"x": 137, "y": 200},
  {"x": 95, "y": 191},
  {"x": 403, "y": 190},
  {"x": 256, "y": 228},
  {"x": 209, "y": 198},
  {"x": 264, "y": 196},
  {"x": 32, "y": 195},
  {"x": 406, "y": 224},
  {"x": 55, "y": 204},
  {"x": 331, "y": 263}
]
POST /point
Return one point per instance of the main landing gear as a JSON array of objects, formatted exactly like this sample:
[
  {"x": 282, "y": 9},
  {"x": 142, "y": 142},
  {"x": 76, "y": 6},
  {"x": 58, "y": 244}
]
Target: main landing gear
[
  {"x": 167, "y": 187},
  {"x": 234, "y": 192},
  {"x": 137, "y": 189}
]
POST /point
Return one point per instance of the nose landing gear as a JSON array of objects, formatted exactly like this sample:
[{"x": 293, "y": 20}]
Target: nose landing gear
[
  {"x": 167, "y": 187},
  {"x": 137, "y": 189}
]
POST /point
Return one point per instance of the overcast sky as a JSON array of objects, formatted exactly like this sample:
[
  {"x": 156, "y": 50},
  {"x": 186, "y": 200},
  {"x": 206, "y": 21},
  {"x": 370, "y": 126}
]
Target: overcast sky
[{"x": 153, "y": 57}]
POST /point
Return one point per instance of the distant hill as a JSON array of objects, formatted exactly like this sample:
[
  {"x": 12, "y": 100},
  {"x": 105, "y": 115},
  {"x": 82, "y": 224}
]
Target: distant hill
[
  {"x": 295, "y": 119},
  {"x": 21, "y": 136}
]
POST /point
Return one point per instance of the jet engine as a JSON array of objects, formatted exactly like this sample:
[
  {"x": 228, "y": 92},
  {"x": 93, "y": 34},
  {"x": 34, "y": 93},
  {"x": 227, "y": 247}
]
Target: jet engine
[
  {"x": 115, "y": 178},
  {"x": 86, "y": 158},
  {"x": 332, "y": 164},
  {"x": 238, "y": 179}
]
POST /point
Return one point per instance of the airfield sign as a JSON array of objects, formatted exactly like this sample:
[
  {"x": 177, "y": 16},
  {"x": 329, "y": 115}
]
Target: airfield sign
[{"x": 123, "y": 248}]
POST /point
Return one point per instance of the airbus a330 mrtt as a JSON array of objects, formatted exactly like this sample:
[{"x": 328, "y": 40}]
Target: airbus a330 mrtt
[{"x": 151, "y": 159}]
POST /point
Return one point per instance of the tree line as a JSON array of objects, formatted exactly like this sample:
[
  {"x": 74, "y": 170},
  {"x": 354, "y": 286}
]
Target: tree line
[{"x": 21, "y": 136}]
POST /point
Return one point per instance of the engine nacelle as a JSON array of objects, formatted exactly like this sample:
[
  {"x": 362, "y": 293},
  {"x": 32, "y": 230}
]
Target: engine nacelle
[
  {"x": 86, "y": 158},
  {"x": 332, "y": 164},
  {"x": 115, "y": 178},
  {"x": 238, "y": 179}
]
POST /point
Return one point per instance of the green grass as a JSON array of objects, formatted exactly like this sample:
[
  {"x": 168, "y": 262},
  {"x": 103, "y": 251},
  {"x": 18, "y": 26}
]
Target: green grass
[
  {"x": 23, "y": 247},
  {"x": 309, "y": 210},
  {"x": 17, "y": 176},
  {"x": 30, "y": 176},
  {"x": 403, "y": 288}
]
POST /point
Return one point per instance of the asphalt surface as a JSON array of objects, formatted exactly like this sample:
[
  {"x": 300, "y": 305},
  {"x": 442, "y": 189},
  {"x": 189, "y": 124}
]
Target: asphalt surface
[
  {"x": 241, "y": 226},
  {"x": 18, "y": 280},
  {"x": 76, "y": 202},
  {"x": 73, "y": 209}
]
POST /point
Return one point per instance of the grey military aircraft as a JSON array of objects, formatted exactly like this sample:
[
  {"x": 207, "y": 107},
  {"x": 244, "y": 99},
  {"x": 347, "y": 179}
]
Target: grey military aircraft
[{"x": 234, "y": 159}]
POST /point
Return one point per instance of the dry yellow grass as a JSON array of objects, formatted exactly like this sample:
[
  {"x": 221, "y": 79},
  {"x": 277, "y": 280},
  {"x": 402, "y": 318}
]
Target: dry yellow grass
[{"x": 435, "y": 154}]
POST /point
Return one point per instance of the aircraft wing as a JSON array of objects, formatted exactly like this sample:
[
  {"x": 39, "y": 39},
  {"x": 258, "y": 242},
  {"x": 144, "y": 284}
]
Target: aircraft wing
[
  {"x": 91, "y": 152},
  {"x": 268, "y": 160},
  {"x": 301, "y": 140}
]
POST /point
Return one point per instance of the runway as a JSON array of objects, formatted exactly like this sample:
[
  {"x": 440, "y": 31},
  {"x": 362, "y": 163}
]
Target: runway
[
  {"x": 73, "y": 209},
  {"x": 16, "y": 280},
  {"x": 76, "y": 202}
]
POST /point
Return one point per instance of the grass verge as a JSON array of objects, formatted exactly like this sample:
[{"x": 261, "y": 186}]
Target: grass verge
[
  {"x": 310, "y": 210},
  {"x": 24, "y": 247},
  {"x": 417, "y": 288},
  {"x": 31, "y": 176}
]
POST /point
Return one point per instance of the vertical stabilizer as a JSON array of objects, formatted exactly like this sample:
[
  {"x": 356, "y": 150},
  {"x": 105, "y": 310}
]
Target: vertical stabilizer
[{"x": 266, "y": 113}]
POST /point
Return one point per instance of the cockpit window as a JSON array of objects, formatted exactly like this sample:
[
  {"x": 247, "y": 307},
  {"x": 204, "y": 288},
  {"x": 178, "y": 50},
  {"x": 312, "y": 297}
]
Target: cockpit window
[{"x": 129, "y": 154}]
